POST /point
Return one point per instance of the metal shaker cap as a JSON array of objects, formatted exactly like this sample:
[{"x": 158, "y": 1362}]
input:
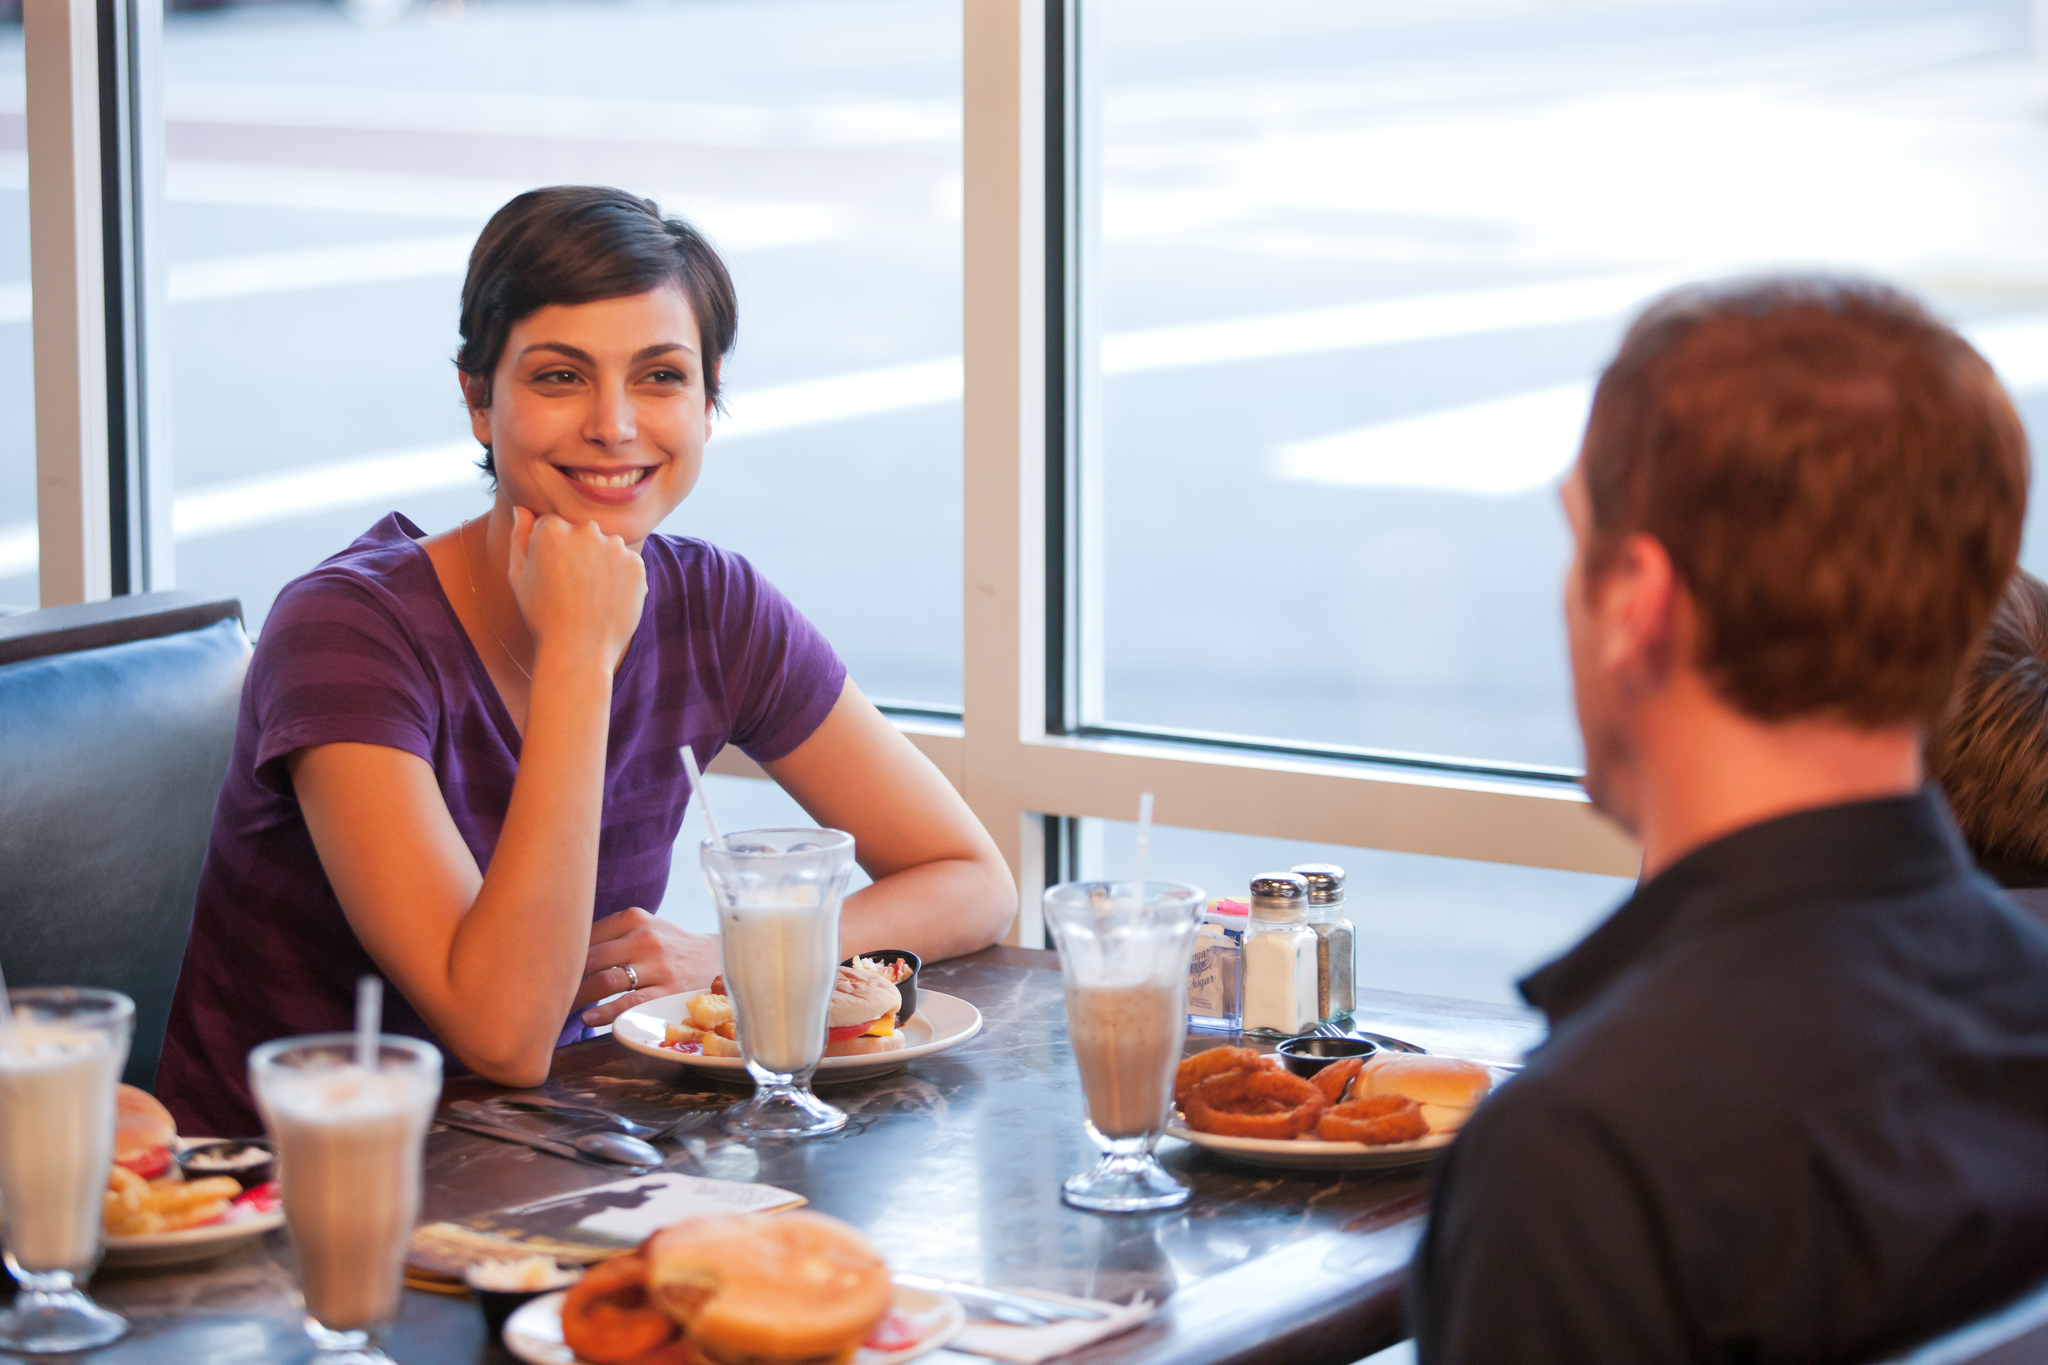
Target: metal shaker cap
[
  {"x": 1278, "y": 895},
  {"x": 1325, "y": 882}
]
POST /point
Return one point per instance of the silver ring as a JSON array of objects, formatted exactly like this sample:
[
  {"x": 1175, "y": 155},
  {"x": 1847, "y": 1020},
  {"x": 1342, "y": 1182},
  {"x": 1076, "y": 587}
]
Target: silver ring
[{"x": 632, "y": 978}]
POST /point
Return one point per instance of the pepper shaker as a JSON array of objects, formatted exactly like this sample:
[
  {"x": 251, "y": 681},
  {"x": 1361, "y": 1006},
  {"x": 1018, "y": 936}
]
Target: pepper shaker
[{"x": 1336, "y": 992}]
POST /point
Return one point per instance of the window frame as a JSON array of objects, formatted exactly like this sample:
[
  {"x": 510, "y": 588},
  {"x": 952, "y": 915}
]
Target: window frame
[{"x": 1020, "y": 752}]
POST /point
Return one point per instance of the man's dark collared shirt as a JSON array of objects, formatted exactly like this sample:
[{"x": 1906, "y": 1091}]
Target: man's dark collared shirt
[{"x": 1793, "y": 1107}]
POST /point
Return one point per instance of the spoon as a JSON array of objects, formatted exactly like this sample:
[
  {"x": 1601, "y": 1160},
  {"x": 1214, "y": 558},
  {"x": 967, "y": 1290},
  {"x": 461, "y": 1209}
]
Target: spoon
[
  {"x": 626, "y": 1151},
  {"x": 544, "y": 1105}
]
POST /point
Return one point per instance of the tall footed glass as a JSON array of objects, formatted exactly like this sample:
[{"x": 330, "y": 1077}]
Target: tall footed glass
[
  {"x": 60, "y": 1065},
  {"x": 1125, "y": 962},
  {"x": 349, "y": 1140},
  {"x": 778, "y": 893}
]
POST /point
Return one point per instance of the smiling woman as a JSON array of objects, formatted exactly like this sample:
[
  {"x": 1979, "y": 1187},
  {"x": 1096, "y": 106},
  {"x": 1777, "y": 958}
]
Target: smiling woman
[{"x": 458, "y": 761}]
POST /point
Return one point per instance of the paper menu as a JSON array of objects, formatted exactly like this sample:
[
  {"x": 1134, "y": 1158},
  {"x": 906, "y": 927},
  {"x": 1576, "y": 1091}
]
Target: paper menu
[{"x": 588, "y": 1225}]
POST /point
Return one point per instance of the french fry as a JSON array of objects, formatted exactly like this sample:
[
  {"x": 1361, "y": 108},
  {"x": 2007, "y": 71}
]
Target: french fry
[
  {"x": 170, "y": 1197},
  {"x": 135, "y": 1207},
  {"x": 195, "y": 1215},
  {"x": 708, "y": 1012}
]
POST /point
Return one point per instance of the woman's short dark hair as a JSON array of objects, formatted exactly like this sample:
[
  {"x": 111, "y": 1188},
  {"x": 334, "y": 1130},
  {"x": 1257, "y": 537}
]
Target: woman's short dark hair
[{"x": 578, "y": 244}]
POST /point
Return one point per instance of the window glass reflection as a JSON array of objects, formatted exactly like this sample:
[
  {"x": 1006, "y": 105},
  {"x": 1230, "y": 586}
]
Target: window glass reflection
[
  {"x": 330, "y": 167},
  {"x": 1356, "y": 266}
]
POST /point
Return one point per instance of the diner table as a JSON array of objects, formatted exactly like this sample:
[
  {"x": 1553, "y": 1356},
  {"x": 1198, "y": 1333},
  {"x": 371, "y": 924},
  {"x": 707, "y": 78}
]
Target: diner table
[{"x": 952, "y": 1166}]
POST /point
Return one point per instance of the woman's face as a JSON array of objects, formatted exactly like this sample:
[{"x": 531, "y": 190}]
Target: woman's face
[{"x": 598, "y": 411}]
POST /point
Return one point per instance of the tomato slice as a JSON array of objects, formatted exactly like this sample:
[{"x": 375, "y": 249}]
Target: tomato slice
[
  {"x": 150, "y": 1164},
  {"x": 845, "y": 1031},
  {"x": 897, "y": 1331}
]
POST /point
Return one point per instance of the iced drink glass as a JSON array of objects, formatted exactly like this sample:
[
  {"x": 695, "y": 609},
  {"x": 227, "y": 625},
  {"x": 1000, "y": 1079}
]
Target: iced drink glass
[
  {"x": 60, "y": 1064},
  {"x": 348, "y": 1156},
  {"x": 778, "y": 893},
  {"x": 1125, "y": 962}
]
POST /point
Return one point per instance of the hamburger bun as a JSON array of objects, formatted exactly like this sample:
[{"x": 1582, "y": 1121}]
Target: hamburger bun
[
  {"x": 864, "y": 1045},
  {"x": 860, "y": 996},
  {"x": 143, "y": 1132},
  {"x": 1447, "y": 1089},
  {"x": 757, "y": 1289}
]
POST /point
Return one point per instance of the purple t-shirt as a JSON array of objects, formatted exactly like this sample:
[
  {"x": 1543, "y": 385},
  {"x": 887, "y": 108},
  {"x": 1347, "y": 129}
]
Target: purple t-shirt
[{"x": 366, "y": 649}]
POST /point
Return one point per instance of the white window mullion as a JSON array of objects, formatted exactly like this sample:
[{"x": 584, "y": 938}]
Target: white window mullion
[{"x": 61, "y": 47}]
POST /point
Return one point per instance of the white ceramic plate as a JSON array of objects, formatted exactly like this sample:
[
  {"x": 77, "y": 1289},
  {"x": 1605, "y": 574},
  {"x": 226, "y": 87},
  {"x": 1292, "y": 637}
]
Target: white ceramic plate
[
  {"x": 534, "y": 1331},
  {"x": 192, "y": 1244},
  {"x": 1313, "y": 1154},
  {"x": 941, "y": 1021}
]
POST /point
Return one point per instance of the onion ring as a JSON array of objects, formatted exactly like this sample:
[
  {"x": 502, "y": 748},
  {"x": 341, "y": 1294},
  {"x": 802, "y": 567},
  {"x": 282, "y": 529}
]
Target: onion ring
[
  {"x": 1243, "y": 1104},
  {"x": 1217, "y": 1061},
  {"x": 608, "y": 1318},
  {"x": 1375, "y": 1122},
  {"x": 1334, "y": 1078}
]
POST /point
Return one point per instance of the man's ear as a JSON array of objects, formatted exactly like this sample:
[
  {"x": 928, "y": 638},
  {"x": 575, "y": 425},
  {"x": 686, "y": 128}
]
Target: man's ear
[{"x": 1638, "y": 602}]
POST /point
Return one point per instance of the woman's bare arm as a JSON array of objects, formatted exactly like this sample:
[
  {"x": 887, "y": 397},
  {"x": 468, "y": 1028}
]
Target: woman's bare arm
[
  {"x": 941, "y": 888},
  {"x": 492, "y": 961}
]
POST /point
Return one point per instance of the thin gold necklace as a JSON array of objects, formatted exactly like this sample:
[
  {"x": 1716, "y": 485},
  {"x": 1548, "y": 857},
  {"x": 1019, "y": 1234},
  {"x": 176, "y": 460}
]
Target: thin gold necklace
[{"x": 462, "y": 536}]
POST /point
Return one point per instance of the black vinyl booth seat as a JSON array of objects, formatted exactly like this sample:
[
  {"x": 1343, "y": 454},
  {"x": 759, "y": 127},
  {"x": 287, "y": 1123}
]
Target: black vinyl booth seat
[{"x": 116, "y": 721}]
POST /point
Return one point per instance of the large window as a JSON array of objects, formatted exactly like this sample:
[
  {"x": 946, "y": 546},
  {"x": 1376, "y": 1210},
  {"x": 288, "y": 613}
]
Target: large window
[
  {"x": 329, "y": 167},
  {"x": 18, "y": 578},
  {"x": 1131, "y": 375},
  {"x": 1347, "y": 271}
]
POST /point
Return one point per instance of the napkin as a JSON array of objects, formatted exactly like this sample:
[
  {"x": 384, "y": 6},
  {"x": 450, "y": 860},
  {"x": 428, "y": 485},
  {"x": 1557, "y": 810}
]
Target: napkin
[{"x": 1029, "y": 1345}]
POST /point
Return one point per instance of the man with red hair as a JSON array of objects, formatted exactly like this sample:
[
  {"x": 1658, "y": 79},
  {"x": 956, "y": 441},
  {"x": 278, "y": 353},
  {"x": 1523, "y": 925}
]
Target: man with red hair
[{"x": 1794, "y": 1102}]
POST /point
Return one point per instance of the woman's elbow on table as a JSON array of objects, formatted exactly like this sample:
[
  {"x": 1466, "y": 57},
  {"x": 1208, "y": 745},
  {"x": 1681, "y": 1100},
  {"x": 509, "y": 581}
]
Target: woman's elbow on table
[{"x": 520, "y": 1068}]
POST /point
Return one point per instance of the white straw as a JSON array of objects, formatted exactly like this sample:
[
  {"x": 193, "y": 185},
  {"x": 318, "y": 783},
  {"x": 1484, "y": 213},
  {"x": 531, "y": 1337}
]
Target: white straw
[
  {"x": 369, "y": 1019},
  {"x": 703, "y": 797},
  {"x": 1144, "y": 845}
]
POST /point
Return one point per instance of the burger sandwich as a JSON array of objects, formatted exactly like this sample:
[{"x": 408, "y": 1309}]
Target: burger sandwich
[
  {"x": 1447, "y": 1089},
  {"x": 861, "y": 1018},
  {"x": 734, "y": 1289},
  {"x": 144, "y": 1133}
]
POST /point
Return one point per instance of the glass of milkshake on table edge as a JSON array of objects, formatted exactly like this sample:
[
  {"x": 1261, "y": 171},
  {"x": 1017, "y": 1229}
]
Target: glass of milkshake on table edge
[
  {"x": 61, "y": 1053},
  {"x": 1124, "y": 959},
  {"x": 778, "y": 893},
  {"x": 349, "y": 1140}
]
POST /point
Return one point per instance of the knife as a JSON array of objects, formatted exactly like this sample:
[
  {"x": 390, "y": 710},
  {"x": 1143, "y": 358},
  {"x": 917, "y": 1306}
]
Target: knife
[
  {"x": 548, "y": 1145},
  {"x": 1042, "y": 1309}
]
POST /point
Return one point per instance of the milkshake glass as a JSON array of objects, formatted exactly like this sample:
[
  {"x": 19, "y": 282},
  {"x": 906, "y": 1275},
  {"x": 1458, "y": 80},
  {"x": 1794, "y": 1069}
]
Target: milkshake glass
[
  {"x": 348, "y": 1156},
  {"x": 60, "y": 1064},
  {"x": 778, "y": 893},
  {"x": 1125, "y": 963}
]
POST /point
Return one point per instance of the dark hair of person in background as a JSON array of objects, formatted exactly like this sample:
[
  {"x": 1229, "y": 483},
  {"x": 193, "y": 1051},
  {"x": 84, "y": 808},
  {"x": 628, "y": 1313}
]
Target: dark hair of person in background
[
  {"x": 1989, "y": 754},
  {"x": 578, "y": 244},
  {"x": 1839, "y": 480}
]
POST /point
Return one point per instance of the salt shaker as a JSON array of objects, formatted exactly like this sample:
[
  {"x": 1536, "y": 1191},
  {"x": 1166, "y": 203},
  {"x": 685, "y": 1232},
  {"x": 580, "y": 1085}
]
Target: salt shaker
[
  {"x": 1279, "y": 958},
  {"x": 1336, "y": 995},
  {"x": 1216, "y": 971}
]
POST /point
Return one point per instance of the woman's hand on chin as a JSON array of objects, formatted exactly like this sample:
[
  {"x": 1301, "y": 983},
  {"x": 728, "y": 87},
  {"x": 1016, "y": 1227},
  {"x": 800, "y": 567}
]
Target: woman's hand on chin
[
  {"x": 577, "y": 587},
  {"x": 664, "y": 959}
]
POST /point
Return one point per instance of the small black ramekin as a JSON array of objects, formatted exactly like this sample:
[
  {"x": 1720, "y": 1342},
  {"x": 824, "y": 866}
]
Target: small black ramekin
[
  {"x": 1307, "y": 1056},
  {"x": 907, "y": 987},
  {"x": 250, "y": 1176}
]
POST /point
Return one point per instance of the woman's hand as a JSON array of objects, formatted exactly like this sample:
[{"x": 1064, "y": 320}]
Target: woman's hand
[
  {"x": 579, "y": 589},
  {"x": 664, "y": 959}
]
